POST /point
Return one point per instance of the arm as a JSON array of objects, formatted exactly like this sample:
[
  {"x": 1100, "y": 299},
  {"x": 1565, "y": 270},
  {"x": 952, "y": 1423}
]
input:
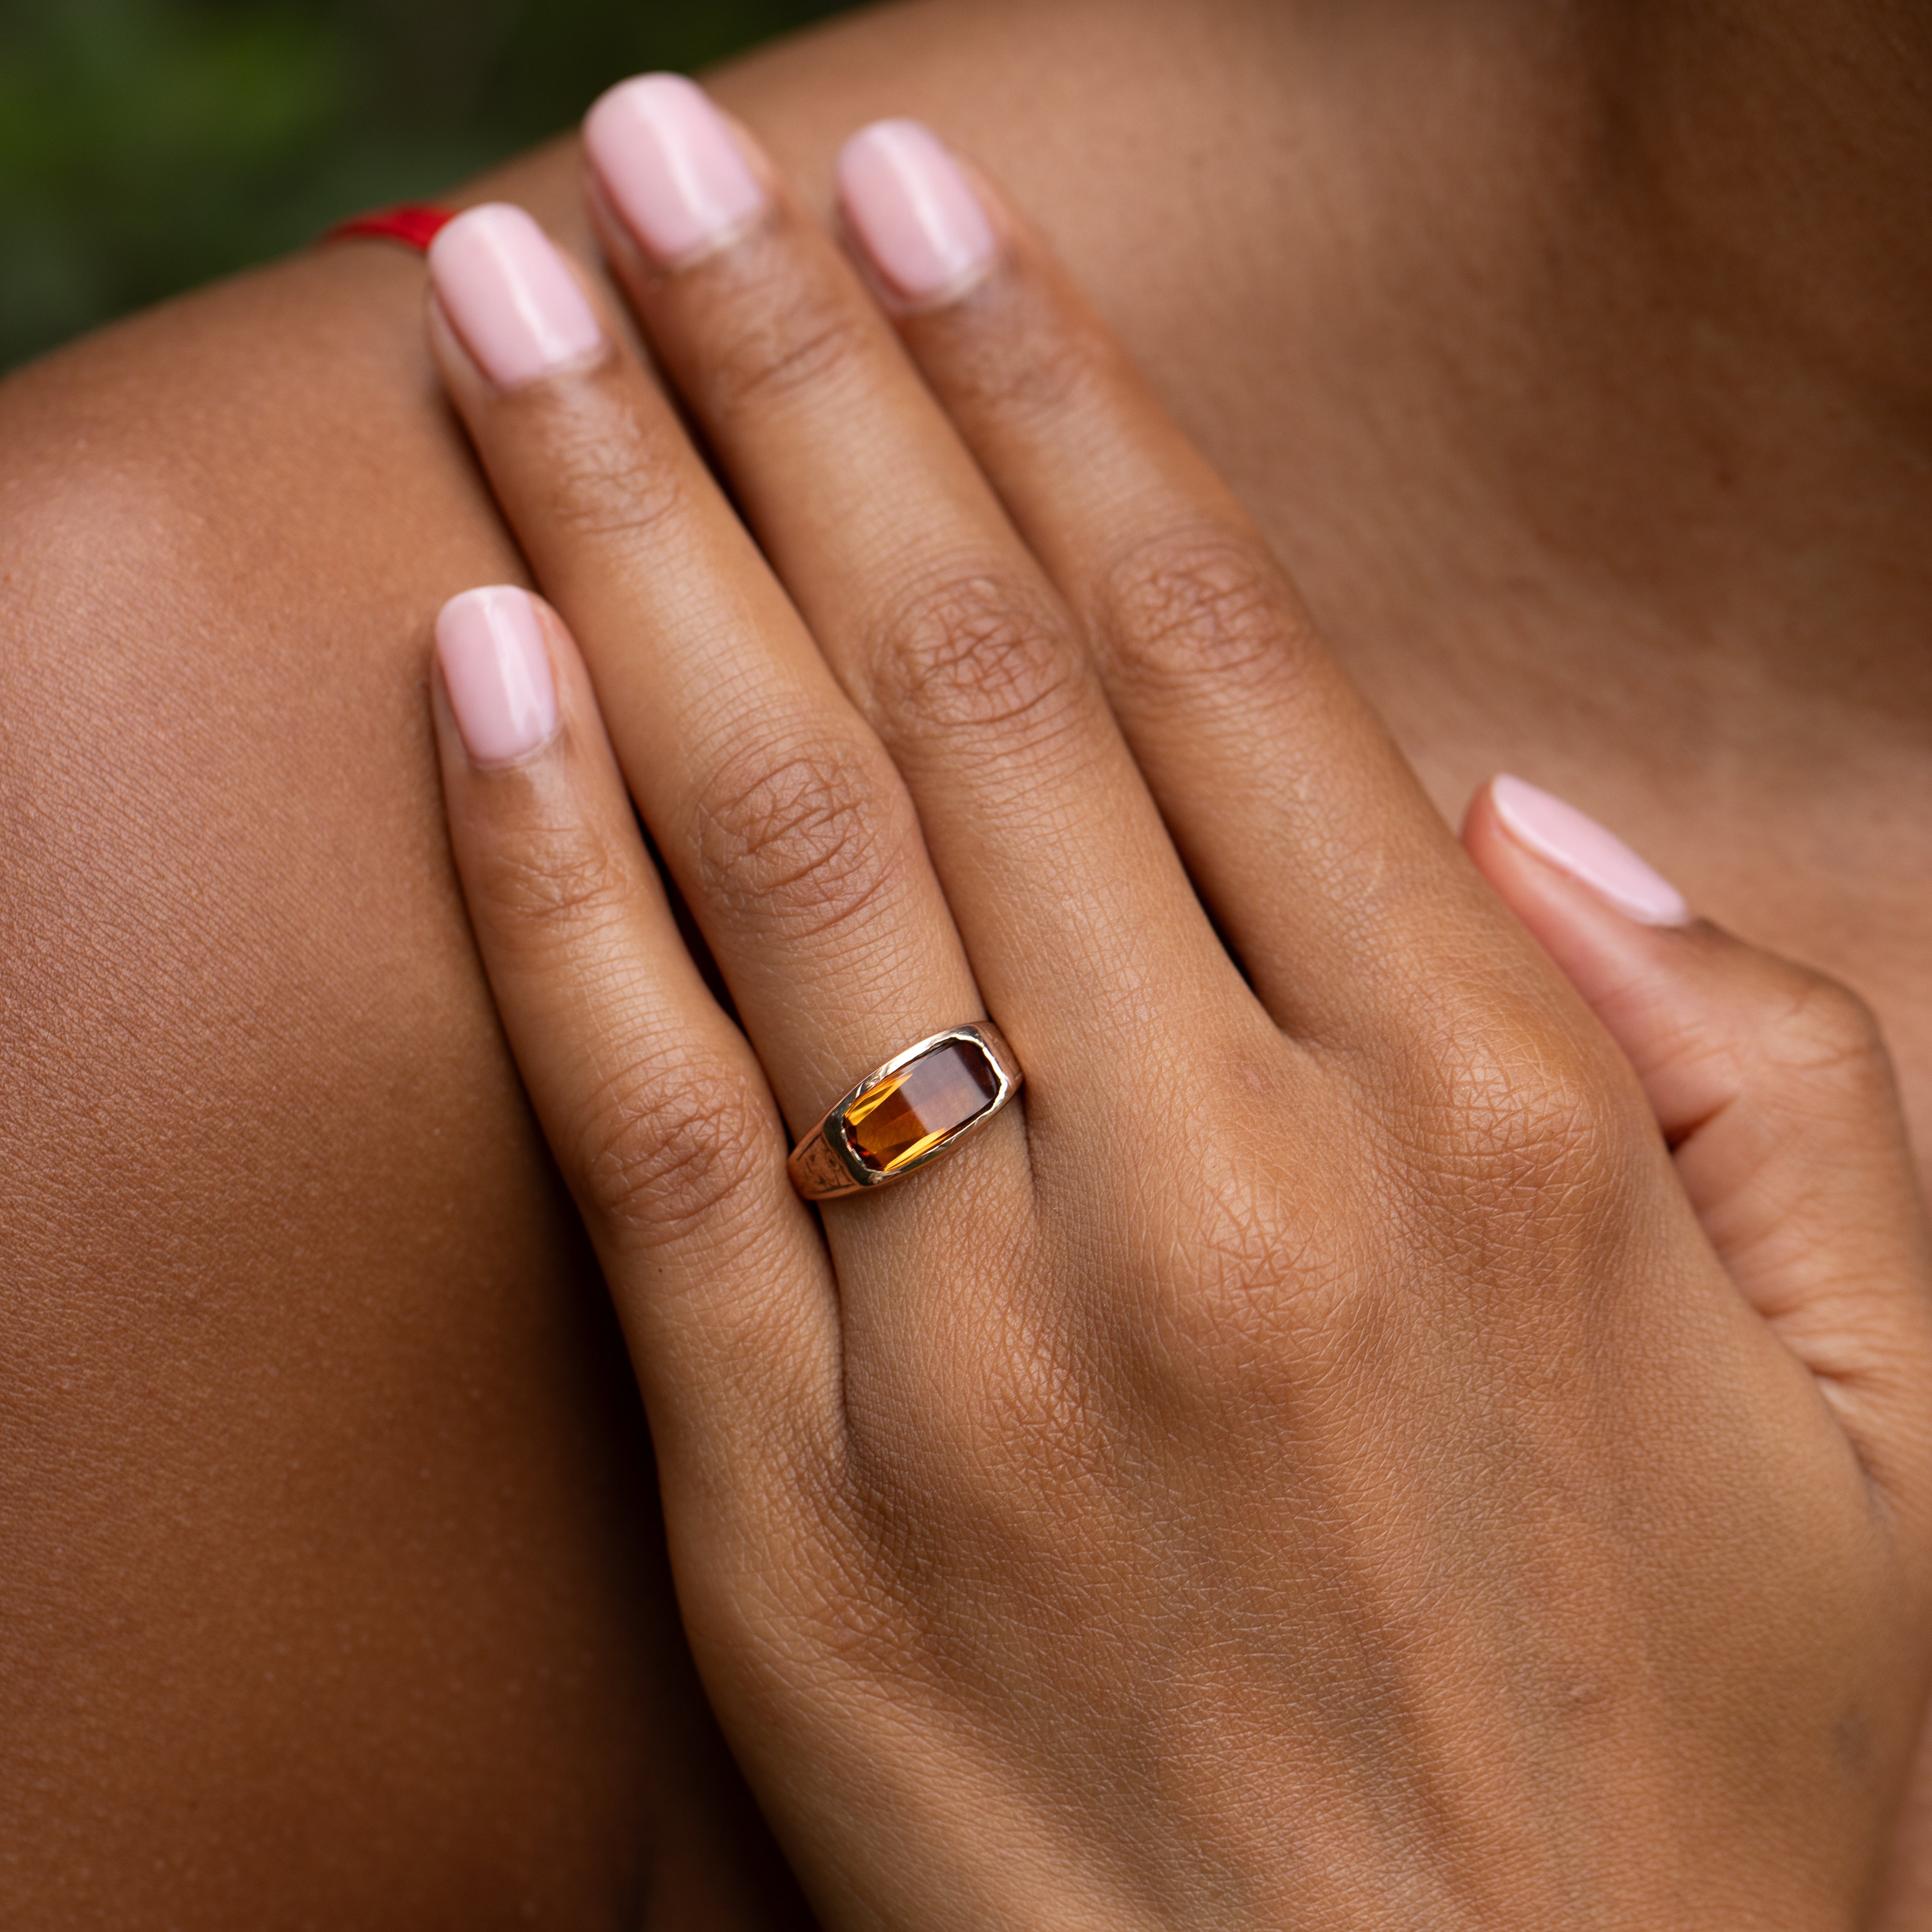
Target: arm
[
  {"x": 322, "y": 1586},
  {"x": 323, "y": 1592},
  {"x": 1352, "y": 1445}
]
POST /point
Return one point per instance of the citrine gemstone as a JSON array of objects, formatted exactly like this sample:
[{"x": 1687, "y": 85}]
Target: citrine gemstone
[{"x": 902, "y": 1117}]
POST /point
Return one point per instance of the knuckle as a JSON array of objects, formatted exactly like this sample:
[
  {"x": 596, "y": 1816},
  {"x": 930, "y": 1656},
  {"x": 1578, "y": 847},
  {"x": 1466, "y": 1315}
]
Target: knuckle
[
  {"x": 606, "y": 476},
  {"x": 1513, "y": 1125},
  {"x": 1207, "y": 604},
  {"x": 1256, "y": 1273},
  {"x": 1036, "y": 367},
  {"x": 667, "y": 1144},
  {"x": 967, "y": 650},
  {"x": 556, "y": 880},
  {"x": 780, "y": 339},
  {"x": 1250, "y": 1262},
  {"x": 810, "y": 834},
  {"x": 1528, "y": 1116},
  {"x": 1824, "y": 1031}
]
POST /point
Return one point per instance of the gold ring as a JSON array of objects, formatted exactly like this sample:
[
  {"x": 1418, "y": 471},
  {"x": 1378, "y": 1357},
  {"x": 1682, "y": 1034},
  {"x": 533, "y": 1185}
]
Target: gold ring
[{"x": 921, "y": 1104}]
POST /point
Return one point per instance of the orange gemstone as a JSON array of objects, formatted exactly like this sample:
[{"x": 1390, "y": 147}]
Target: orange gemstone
[{"x": 902, "y": 1118}]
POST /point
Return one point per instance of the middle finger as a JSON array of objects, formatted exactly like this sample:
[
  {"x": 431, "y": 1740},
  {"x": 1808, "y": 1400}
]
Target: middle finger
[{"x": 1079, "y": 920}]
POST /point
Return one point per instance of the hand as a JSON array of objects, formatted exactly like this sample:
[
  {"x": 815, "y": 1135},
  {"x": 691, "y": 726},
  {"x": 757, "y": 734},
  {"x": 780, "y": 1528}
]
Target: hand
[{"x": 1325, "y": 1458}]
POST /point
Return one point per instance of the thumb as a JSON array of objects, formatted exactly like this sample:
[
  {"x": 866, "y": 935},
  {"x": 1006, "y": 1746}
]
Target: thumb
[{"x": 1774, "y": 1090}]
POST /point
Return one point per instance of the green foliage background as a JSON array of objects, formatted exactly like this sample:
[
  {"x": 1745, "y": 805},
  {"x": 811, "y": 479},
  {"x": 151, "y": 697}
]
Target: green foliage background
[{"x": 148, "y": 145}]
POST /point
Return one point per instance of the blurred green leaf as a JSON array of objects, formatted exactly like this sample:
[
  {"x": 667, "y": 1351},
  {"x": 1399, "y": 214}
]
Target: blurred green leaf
[{"x": 149, "y": 146}]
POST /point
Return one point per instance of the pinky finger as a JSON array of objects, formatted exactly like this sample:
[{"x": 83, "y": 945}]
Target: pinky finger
[
  {"x": 1773, "y": 1087},
  {"x": 653, "y": 1104}
]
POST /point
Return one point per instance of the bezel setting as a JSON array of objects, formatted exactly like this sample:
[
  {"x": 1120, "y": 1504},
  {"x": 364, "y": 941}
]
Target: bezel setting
[{"x": 827, "y": 1163}]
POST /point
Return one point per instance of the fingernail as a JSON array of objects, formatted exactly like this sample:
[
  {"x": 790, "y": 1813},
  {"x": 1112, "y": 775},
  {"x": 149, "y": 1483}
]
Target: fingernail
[
  {"x": 671, "y": 167},
  {"x": 496, "y": 669},
  {"x": 1579, "y": 846},
  {"x": 516, "y": 306},
  {"x": 912, "y": 212}
]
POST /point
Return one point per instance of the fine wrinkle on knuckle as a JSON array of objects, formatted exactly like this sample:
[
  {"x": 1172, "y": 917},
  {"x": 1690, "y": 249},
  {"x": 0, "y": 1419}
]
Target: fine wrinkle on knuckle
[
  {"x": 1256, "y": 1276},
  {"x": 663, "y": 1145},
  {"x": 1247, "y": 1256},
  {"x": 778, "y": 339},
  {"x": 810, "y": 834},
  {"x": 1204, "y": 610},
  {"x": 606, "y": 478},
  {"x": 1520, "y": 1122},
  {"x": 969, "y": 650},
  {"x": 1028, "y": 368},
  {"x": 1825, "y": 1031},
  {"x": 1533, "y": 1133},
  {"x": 556, "y": 879}
]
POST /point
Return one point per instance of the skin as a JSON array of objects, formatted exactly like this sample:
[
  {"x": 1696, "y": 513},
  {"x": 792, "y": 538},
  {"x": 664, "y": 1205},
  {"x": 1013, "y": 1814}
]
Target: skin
[
  {"x": 1639, "y": 516},
  {"x": 1324, "y": 1459}
]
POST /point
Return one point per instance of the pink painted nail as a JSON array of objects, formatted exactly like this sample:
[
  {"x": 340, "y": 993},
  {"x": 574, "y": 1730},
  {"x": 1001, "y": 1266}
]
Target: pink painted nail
[
  {"x": 669, "y": 164},
  {"x": 497, "y": 671},
  {"x": 1579, "y": 846},
  {"x": 502, "y": 283},
  {"x": 913, "y": 214}
]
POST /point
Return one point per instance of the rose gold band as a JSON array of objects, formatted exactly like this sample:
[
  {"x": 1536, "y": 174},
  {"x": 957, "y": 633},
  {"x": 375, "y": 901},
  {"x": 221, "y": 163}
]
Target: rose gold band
[{"x": 921, "y": 1104}]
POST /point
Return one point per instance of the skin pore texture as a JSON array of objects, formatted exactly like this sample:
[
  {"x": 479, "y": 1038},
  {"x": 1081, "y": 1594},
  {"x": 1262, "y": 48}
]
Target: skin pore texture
[{"x": 1574, "y": 360}]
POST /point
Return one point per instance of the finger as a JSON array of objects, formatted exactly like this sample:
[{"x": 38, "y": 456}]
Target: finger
[
  {"x": 782, "y": 820},
  {"x": 1772, "y": 1085},
  {"x": 1057, "y": 870},
  {"x": 1334, "y": 879},
  {"x": 659, "y": 1118}
]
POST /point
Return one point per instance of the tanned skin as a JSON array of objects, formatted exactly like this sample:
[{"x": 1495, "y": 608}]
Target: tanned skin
[{"x": 1576, "y": 361}]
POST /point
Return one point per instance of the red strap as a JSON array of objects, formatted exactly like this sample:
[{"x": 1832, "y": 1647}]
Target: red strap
[{"x": 414, "y": 225}]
